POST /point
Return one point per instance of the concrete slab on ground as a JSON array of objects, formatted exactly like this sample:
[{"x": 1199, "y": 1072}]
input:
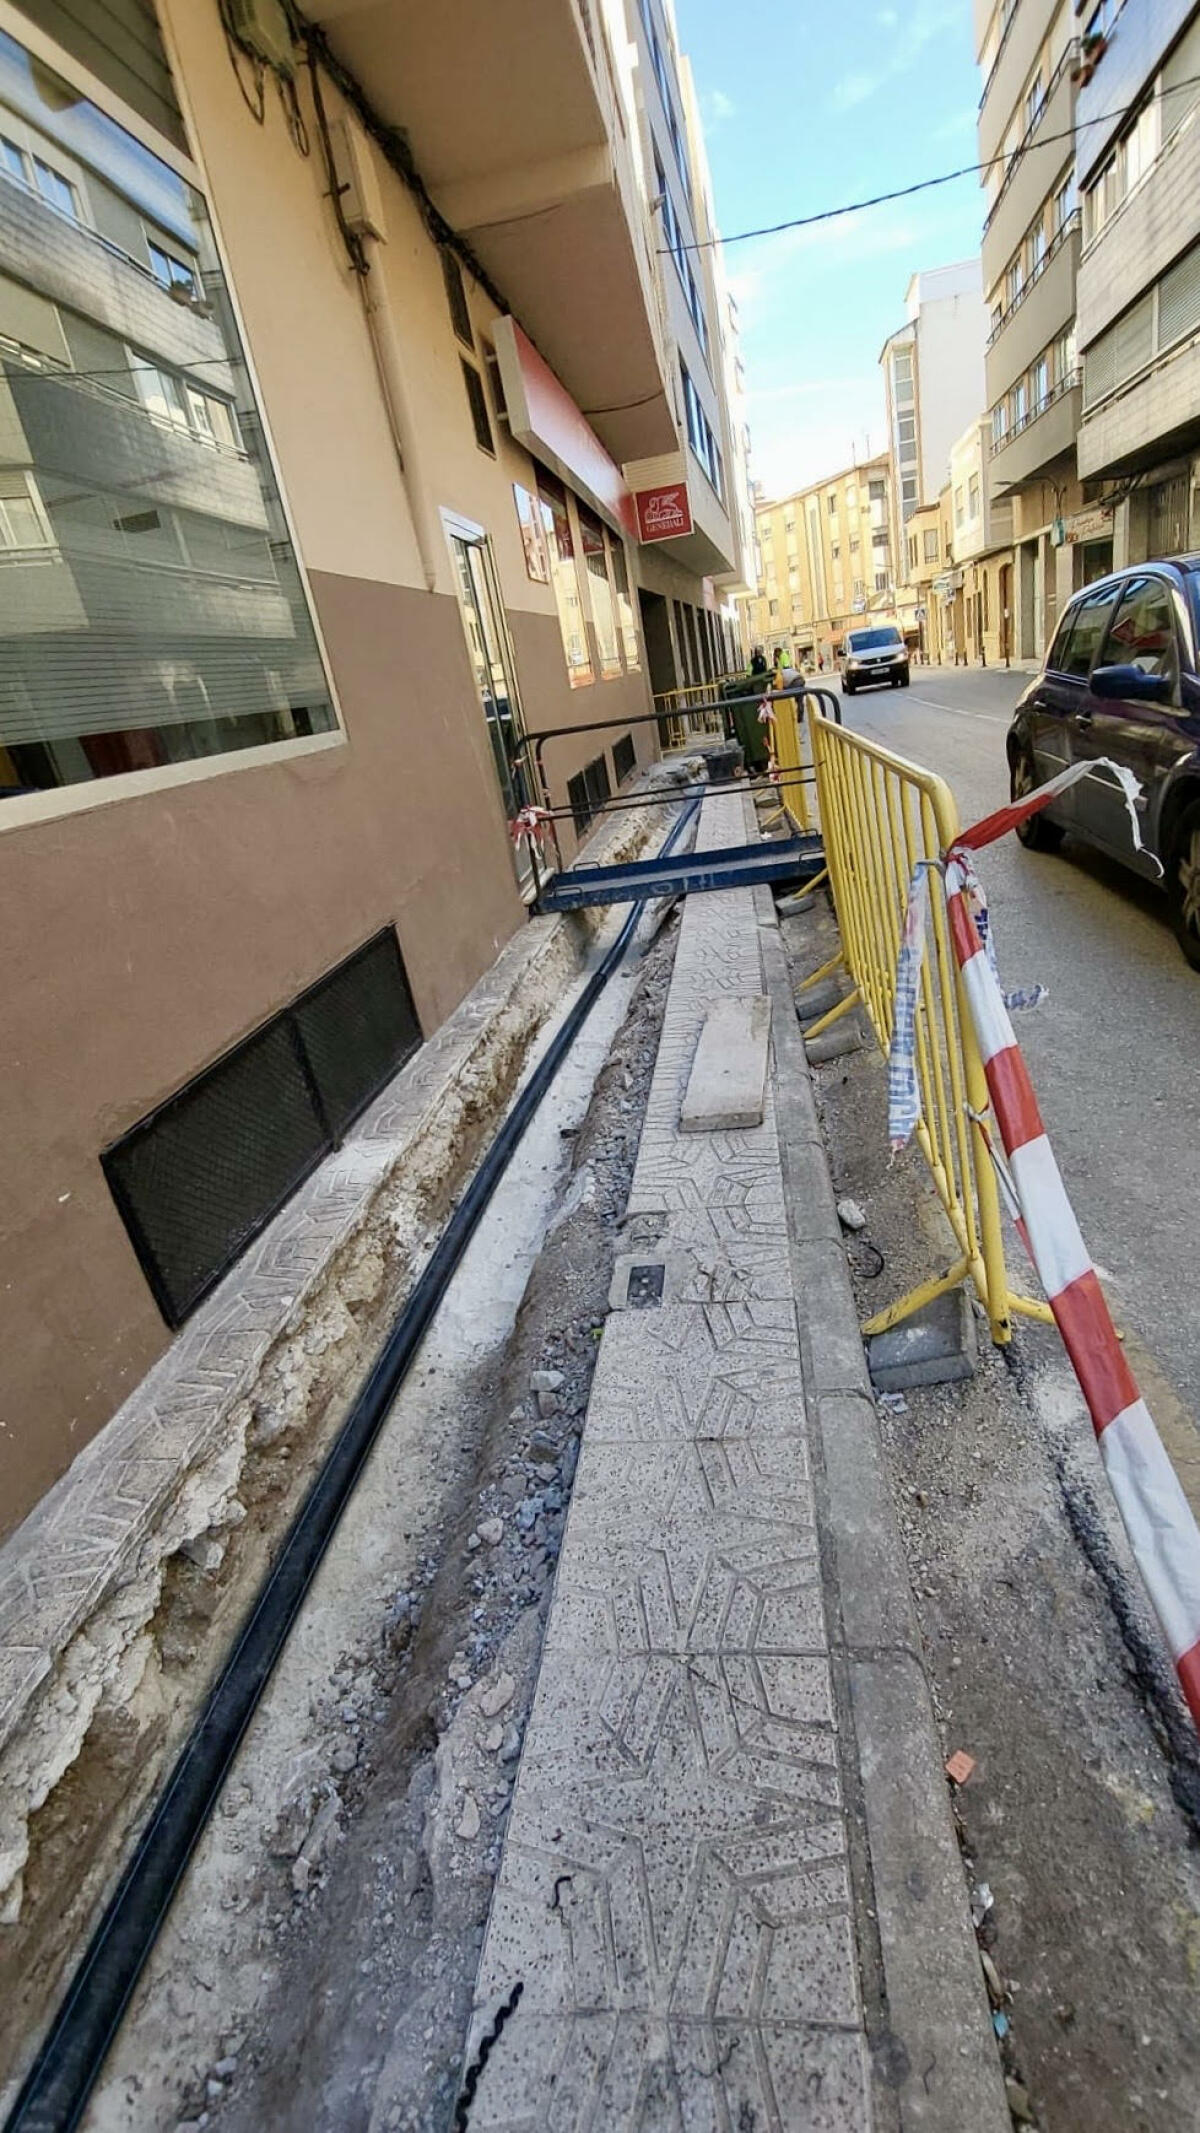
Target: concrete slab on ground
[
  {"x": 936, "y": 1346},
  {"x": 729, "y": 1071}
]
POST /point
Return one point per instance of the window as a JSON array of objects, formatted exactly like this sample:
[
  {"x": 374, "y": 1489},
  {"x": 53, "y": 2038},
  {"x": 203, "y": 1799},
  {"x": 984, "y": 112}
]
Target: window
[
  {"x": 1014, "y": 281},
  {"x": 1142, "y": 632},
  {"x": 556, "y": 519},
  {"x": 912, "y": 551},
  {"x": 1064, "y": 203},
  {"x": 907, "y": 431},
  {"x": 1041, "y": 384},
  {"x": 908, "y": 492},
  {"x": 1037, "y": 248},
  {"x": 881, "y": 579},
  {"x": 171, "y": 272},
  {"x": 995, "y": 316},
  {"x": 699, "y": 432},
  {"x": 477, "y": 402},
  {"x": 1090, "y": 617},
  {"x": 136, "y": 491},
  {"x": 1064, "y": 356},
  {"x": 456, "y": 297},
  {"x": 789, "y": 525},
  {"x": 604, "y": 612},
  {"x": 973, "y": 498},
  {"x": 831, "y": 506},
  {"x": 23, "y": 523},
  {"x": 1020, "y": 401},
  {"x": 999, "y": 423},
  {"x": 854, "y": 545},
  {"x": 931, "y": 544},
  {"x": 835, "y": 551},
  {"x": 624, "y": 757},
  {"x": 959, "y": 513},
  {"x": 53, "y": 187},
  {"x": 14, "y": 160},
  {"x": 1035, "y": 102},
  {"x": 625, "y": 612},
  {"x": 877, "y": 491}
]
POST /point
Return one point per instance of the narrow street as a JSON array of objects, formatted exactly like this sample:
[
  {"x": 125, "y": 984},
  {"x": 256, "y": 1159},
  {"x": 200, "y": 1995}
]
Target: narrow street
[{"x": 1113, "y": 1049}]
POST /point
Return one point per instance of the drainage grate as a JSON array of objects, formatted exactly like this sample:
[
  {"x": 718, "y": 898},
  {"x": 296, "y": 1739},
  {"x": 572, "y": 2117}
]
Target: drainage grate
[
  {"x": 645, "y": 1289},
  {"x": 198, "y": 1179}
]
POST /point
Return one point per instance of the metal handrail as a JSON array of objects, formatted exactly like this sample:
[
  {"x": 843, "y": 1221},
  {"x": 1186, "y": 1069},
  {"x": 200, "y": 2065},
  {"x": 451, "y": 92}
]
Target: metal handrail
[
  {"x": 1054, "y": 247},
  {"x": 1005, "y": 34},
  {"x": 1063, "y": 385}
]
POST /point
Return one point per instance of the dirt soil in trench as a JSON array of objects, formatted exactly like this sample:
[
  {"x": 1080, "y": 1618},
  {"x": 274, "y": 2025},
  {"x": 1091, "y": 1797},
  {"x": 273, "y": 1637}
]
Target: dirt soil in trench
[
  {"x": 1079, "y": 1823},
  {"x": 366, "y": 1906}
]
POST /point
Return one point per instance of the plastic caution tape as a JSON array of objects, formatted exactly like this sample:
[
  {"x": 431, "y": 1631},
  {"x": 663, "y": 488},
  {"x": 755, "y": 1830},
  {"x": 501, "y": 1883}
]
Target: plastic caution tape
[{"x": 1158, "y": 1520}]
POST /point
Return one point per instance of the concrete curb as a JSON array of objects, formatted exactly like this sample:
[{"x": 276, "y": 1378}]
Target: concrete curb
[{"x": 936, "y": 2067}]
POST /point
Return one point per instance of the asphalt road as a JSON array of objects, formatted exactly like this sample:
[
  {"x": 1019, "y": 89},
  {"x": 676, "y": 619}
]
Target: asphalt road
[{"x": 1115, "y": 1049}]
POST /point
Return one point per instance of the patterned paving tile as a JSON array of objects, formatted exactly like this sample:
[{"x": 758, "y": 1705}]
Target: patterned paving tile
[{"x": 673, "y": 1892}]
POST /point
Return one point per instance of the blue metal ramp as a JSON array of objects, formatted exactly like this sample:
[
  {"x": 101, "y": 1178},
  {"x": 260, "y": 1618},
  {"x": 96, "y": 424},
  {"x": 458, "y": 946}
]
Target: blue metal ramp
[{"x": 731, "y": 866}]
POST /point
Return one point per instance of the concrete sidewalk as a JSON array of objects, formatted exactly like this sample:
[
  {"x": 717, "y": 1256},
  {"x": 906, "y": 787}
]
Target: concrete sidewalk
[{"x": 730, "y": 1890}]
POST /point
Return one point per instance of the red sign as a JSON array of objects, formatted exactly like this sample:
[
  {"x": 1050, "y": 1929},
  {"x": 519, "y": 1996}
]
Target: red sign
[{"x": 663, "y": 514}]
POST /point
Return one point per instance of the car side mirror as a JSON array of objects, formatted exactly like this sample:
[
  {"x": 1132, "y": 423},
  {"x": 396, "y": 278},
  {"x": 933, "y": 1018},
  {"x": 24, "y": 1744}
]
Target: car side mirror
[{"x": 1132, "y": 684}]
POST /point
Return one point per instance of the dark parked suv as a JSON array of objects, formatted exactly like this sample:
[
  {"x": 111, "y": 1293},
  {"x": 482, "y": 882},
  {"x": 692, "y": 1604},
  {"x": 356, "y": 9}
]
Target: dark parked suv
[{"x": 1122, "y": 680}]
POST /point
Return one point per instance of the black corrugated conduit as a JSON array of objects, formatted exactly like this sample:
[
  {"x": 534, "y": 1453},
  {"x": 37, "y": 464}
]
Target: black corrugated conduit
[{"x": 55, "y": 2092}]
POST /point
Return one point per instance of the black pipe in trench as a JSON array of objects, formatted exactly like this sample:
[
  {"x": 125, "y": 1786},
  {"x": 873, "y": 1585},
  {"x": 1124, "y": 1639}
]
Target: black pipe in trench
[{"x": 55, "y": 2092}]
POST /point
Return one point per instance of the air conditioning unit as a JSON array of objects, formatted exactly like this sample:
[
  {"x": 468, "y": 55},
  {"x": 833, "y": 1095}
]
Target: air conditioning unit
[{"x": 264, "y": 29}]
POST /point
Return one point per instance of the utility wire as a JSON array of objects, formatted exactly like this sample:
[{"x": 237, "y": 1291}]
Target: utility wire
[{"x": 922, "y": 185}]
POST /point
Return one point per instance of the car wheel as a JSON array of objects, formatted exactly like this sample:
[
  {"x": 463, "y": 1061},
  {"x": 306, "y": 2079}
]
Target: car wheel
[
  {"x": 847, "y": 688},
  {"x": 904, "y": 677},
  {"x": 1037, "y": 834},
  {"x": 1183, "y": 884}
]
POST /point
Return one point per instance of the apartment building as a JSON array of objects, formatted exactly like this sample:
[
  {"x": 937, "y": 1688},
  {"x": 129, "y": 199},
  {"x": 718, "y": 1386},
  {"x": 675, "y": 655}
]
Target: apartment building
[
  {"x": 1139, "y": 282},
  {"x": 976, "y": 593},
  {"x": 826, "y": 558},
  {"x": 1030, "y": 55},
  {"x": 359, "y": 412},
  {"x": 933, "y": 383}
]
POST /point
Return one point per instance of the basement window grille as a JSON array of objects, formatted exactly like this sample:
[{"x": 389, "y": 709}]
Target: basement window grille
[
  {"x": 198, "y": 1179},
  {"x": 624, "y": 757}
]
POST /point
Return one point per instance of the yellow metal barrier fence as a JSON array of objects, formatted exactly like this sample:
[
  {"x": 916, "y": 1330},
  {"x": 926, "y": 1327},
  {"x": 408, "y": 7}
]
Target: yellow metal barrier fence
[
  {"x": 880, "y": 817},
  {"x": 795, "y": 771}
]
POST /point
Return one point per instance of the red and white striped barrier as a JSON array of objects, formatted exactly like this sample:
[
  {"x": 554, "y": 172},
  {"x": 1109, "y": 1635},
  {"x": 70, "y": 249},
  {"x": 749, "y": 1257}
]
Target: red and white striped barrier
[{"x": 1158, "y": 1520}]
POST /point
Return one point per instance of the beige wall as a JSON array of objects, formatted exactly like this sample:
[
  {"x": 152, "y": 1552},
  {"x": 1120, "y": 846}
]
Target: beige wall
[{"x": 146, "y": 934}]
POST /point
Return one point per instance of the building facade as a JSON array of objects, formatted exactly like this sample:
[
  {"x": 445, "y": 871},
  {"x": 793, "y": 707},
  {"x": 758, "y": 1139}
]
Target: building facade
[
  {"x": 1139, "y": 285},
  {"x": 327, "y": 468},
  {"x": 825, "y": 560},
  {"x": 933, "y": 383},
  {"x": 1030, "y": 55}
]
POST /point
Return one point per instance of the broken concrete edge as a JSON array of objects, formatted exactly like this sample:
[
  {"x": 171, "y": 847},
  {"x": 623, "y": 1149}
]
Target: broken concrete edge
[
  {"x": 935, "y": 2058},
  {"x": 263, "y": 1367}
]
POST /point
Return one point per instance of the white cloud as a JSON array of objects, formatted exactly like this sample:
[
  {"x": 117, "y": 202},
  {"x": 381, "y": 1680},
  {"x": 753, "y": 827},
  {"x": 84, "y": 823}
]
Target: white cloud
[
  {"x": 888, "y": 19},
  {"x": 715, "y": 106},
  {"x": 856, "y": 89}
]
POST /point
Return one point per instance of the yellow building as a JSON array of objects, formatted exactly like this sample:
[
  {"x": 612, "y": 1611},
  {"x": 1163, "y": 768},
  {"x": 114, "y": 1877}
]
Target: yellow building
[{"x": 824, "y": 559}]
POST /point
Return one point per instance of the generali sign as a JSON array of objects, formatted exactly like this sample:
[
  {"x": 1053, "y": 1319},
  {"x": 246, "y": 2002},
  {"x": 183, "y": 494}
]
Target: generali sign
[{"x": 663, "y": 514}]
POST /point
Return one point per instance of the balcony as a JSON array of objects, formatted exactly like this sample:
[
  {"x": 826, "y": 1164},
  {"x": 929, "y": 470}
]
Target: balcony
[
  {"x": 530, "y": 165},
  {"x": 1154, "y": 417},
  {"x": 1044, "y": 308},
  {"x": 1018, "y": 49},
  {"x": 1047, "y": 433},
  {"x": 1153, "y": 225},
  {"x": 1031, "y": 172},
  {"x": 69, "y": 264}
]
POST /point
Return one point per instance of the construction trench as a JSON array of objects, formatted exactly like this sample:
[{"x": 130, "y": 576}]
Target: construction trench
[{"x": 318, "y": 1966}]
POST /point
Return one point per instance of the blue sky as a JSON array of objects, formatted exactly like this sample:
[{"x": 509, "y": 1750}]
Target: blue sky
[{"x": 808, "y": 104}]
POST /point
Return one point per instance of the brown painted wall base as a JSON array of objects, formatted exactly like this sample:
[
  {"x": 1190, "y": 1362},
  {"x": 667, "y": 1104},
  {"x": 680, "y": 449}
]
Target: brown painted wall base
[{"x": 144, "y": 937}]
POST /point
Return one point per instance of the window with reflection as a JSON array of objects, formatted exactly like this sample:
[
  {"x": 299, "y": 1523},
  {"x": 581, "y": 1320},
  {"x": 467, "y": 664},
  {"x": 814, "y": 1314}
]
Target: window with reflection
[{"x": 151, "y": 607}]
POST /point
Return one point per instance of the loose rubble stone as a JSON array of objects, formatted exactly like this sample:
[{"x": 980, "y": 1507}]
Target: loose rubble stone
[
  {"x": 850, "y": 1215},
  {"x": 491, "y": 1530},
  {"x": 467, "y": 1825},
  {"x": 497, "y": 1696},
  {"x": 546, "y": 1381},
  {"x": 542, "y": 1446}
]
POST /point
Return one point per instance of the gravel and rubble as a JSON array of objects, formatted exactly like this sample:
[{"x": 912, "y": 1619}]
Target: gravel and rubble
[
  {"x": 317, "y": 1969},
  {"x": 1077, "y": 1817}
]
